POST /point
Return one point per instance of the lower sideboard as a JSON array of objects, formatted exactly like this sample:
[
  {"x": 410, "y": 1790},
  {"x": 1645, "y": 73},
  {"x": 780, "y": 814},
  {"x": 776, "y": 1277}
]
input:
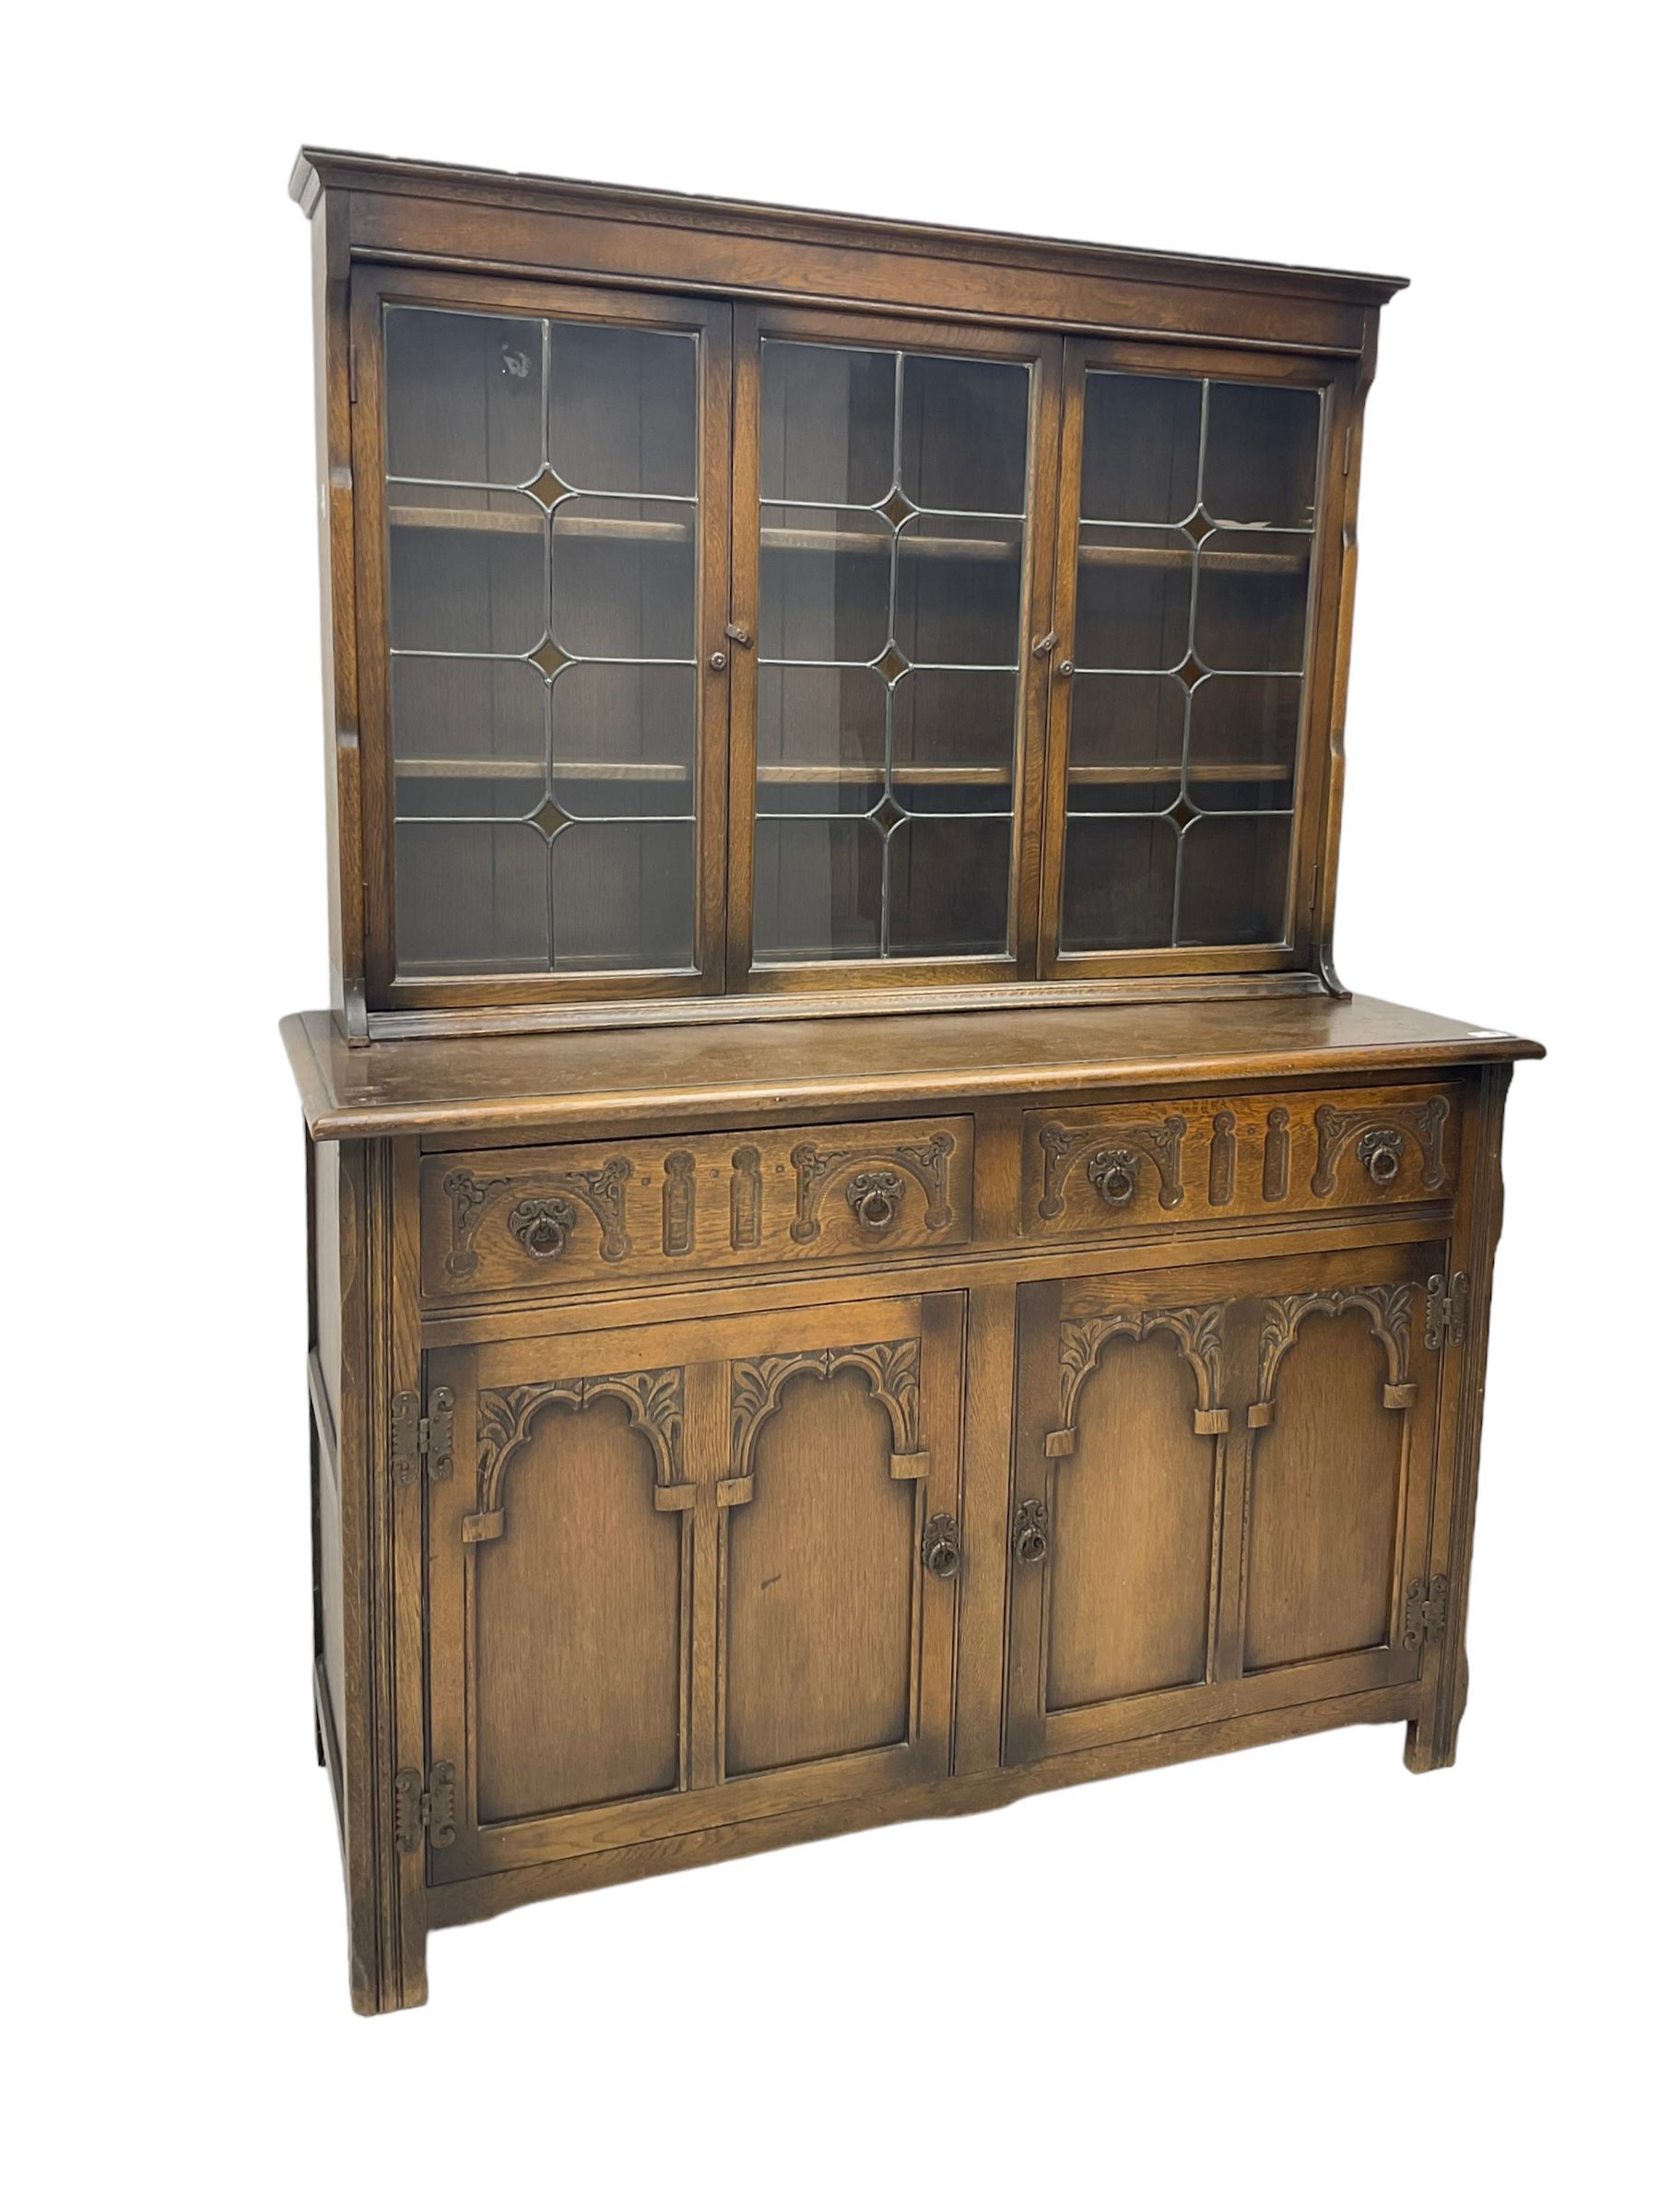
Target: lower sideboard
[{"x": 682, "y": 1491}]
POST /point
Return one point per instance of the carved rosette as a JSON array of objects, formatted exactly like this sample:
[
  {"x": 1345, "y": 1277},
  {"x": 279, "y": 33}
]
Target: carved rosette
[
  {"x": 1382, "y": 1131},
  {"x": 1113, "y": 1154},
  {"x": 655, "y": 1400},
  {"x": 875, "y": 1200}
]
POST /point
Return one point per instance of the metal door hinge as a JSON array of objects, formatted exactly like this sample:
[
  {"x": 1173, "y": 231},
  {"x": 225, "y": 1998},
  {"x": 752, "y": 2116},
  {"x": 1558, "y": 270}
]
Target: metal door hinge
[
  {"x": 428, "y": 1437},
  {"x": 1425, "y": 1613},
  {"x": 433, "y": 1808},
  {"x": 1447, "y": 1317}
]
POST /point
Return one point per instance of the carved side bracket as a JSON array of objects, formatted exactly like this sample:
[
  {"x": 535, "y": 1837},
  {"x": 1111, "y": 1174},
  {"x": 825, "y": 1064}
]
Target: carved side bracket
[
  {"x": 1105, "y": 1147},
  {"x": 544, "y": 1217},
  {"x": 1387, "y": 1306},
  {"x": 1083, "y": 1337},
  {"x": 893, "y": 1371},
  {"x": 655, "y": 1399},
  {"x": 1379, "y": 1143},
  {"x": 929, "y": 1163}
]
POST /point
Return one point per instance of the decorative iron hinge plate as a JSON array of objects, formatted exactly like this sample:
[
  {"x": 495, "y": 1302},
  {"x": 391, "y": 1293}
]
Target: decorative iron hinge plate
[
  {"x": 1447, "y": 1317},
  {"x": 428, "y": 1436},
  {"x": 1425, "y": 1613},
  {"x": 433, "y": 1808}
]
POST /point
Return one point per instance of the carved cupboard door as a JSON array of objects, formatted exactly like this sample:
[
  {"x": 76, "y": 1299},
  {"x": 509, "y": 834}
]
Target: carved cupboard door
[
  {"x": 690, "y": 1573},
  {"x": 1222, "y": 1492}
]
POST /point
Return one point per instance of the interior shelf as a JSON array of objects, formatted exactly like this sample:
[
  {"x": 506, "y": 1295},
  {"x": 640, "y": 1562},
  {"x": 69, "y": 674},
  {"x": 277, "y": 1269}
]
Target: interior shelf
[
  {"x": 774, "y": 772},
  {"x": 777, "y": 537}
]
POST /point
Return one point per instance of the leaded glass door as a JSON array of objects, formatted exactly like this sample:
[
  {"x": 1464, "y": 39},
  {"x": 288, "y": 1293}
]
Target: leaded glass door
[
  {"x": 544, "y": 477},
  {"x": 1189, "y": 564},
  {"x": 893, "y": 579}
]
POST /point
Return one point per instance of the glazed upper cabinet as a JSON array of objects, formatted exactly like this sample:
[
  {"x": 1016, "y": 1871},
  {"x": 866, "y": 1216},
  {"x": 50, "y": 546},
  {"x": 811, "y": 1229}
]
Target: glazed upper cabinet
[
  {"x": 1223, "y": 1483},
  {"x": 690, "y": 1574},
  {"x": 711, "y": 648}
]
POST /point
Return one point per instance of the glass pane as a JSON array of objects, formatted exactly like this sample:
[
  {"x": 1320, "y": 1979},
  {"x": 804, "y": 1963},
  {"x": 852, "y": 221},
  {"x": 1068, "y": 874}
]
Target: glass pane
[
  {"x": 1135, "y": 598},
  {"x": 1261, "y": 454},
  {"x": 963, "y": 434},
  {"x": 955, "y": 592},
  {"x": 1253, "y": 600},
  {"x": 1185, "y": 710},
  {"x": 544, "y": 689},
  {"x": 623, "y": 895},
  {"x": 472, "y": 735},
  {"x": 1233, "y": 870},
  {"x": 818, "y": 888},
  {"x": 1140, "y": 448},
  {"x": 954, "y": 738},
  {"x": 893, "y": 549},
  {"x": 826, "y": 425},
  {"x": 947, "y": 888},
  {"x": 623, "y": 739},
  {"x": 623, "y": 409},
  {"x": 826, "y": 584},
  {"x": 1120, "y": 883},
  {"x": 471, "y": 896},
  {"x": 823, "y": 739},
  {"x": 469, "y": 576},
  {"x": 1128, "y": 736},
  {"x": 464, "y": 396},
  {"x": 1242, "y": 752}
]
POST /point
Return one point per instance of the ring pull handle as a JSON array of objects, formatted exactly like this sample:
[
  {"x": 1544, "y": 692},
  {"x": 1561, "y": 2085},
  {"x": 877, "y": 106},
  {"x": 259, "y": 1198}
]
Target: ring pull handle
[
  {"x": 942, "y": 1548},
  {"x": 875, "y": 1195},
  {"x": 1030, "y": 1533},
  {"x": 543, "y": 1225},
  {"x": 1113, "y": 1175},
  {"x": 1381, "y": 1152}
]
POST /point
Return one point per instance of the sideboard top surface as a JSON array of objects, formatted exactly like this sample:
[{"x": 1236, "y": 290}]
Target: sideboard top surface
[{"x": 450, "y": 1084}]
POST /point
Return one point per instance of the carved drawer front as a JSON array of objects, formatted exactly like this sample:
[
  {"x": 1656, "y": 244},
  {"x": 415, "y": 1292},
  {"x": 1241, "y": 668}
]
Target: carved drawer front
[
  {"x": 1092, "y": 1168},
  {"x": 560, "y": 1216}
]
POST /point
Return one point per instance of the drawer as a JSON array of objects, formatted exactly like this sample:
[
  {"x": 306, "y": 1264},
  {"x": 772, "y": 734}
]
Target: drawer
[
  {"x": 1090, "y": 1168},
  {"x": 557, "y": 1216}
]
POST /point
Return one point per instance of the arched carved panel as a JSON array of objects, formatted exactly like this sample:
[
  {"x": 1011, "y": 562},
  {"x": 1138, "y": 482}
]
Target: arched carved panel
[
  {"x": 1387, "y": 1306},
  {"x": 1134, "y": 1523},
  {"x": 1110, "y": 1155},
  {"x": 655, "y": 1401},
  {"x": 544, "y": 1212},
  {"x": 893, "y": 1371},
  {"x": 1083, "y": 1336},
  {"x": 1325, "y": 1492},
  {"x": 578, "y": 1619},
  {"x": 1379, "y": 1129}
]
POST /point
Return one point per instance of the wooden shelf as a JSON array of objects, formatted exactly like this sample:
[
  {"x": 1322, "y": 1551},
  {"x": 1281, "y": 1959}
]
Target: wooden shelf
[
  {"x": 779, "y": 771},
  {"x": 776, "y": 537}
]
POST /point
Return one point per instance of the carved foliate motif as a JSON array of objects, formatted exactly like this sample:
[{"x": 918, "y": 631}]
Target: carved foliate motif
[
  {"x": 929, "y": 1163},
  {"x": 1083, "y": 1337},
  {"x": 1382, "y": 1143},
  {"x": 655, "y": 1399},
  {"x": 1387, "y": 1306},
  {"x": 894, "y": 1373},
  {"x": 1061, "y": 1149},
  {"x": 544, "y": 1217}
]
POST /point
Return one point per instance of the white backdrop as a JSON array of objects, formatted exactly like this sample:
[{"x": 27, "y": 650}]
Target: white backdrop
[{"x": 1298, "y": 1978}]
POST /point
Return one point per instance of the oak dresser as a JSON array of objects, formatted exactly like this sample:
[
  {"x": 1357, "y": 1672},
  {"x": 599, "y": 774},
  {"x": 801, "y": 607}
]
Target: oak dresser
[{"x": 862, "y": 1262}]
